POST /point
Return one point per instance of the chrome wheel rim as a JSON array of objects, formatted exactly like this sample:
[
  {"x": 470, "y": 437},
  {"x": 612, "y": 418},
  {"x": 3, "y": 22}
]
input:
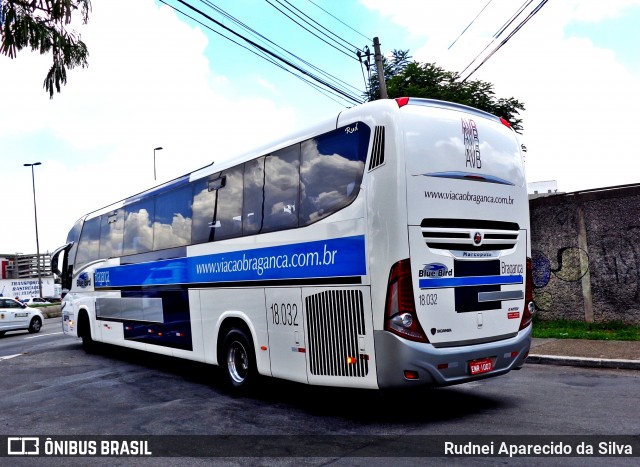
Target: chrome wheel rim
[{"x": 237, "y": 362}]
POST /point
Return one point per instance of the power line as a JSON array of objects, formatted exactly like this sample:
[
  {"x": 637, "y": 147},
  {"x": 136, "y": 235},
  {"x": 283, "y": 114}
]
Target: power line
[
  {"x": 499, "y": 33},
  {"x": 524, "y": 5},
  {"x": 261, "y": 55},
  {"x": 348, "y": 54},
  {"x": 259, "y": 36},
  {"x": 511, "y": 34},
  {"x": 337, "y": 81},
  {"x": 340, "y": 21},
  {"x": 272, "y": 54},
  {"x": 354, "y": 47},
  {"x": 472, "y": 21}
]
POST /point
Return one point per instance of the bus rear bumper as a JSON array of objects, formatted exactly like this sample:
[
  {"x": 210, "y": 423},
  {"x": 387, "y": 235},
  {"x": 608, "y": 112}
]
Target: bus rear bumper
[{"x": 402, "y": 363}]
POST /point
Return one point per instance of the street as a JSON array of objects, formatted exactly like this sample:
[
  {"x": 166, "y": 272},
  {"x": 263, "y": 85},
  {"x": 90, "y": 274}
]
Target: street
[{"x": 50, "y": 386}]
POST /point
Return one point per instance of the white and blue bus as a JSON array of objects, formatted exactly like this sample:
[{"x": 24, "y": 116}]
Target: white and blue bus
[{"x": 387, "y": 247}]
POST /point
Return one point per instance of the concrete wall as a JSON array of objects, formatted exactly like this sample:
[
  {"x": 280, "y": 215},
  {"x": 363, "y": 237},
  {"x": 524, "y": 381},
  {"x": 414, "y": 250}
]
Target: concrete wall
[{"x": 586, "y": 255}]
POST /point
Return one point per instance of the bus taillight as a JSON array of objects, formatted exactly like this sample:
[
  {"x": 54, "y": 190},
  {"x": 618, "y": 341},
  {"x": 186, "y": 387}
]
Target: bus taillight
[
  {"x": 402, "y": 101},
  {"x": 400, "y": 311},
  {"x": 529, "y": 307}
]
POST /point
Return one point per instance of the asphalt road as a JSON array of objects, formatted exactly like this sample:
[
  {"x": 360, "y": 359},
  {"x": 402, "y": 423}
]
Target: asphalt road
[{"x": 50, "y": 387}]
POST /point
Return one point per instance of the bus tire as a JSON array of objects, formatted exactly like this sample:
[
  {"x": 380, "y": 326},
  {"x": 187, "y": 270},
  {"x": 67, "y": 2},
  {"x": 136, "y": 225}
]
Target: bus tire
[
  {"x": 84, "y": 331},
  {"x": 238, "y": 360},
  {"x": 35, "y": 325}
]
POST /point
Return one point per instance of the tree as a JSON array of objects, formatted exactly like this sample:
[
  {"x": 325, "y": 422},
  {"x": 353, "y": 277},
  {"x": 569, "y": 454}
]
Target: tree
[
  {"x": 42, "y": 25},
  {"x": 410, "y": 78}
]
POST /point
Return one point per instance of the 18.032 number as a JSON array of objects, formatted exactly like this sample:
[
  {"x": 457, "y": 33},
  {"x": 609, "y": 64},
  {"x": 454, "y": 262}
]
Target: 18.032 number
[
  {"x": 428, "y": 299},
  {"x": 285, "y": 314}
]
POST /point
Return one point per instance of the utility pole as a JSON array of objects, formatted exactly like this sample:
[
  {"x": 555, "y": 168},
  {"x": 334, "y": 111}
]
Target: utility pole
[
  {"x": 35, "y": 214},
  {"x": 380, "y": 68}
]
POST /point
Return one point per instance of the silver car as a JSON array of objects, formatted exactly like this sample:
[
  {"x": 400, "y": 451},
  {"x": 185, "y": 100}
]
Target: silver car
[{"x": 15, "y": 315}]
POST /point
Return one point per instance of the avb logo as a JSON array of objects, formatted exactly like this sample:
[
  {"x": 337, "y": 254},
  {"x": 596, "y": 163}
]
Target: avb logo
[
  {"x": 435, "y": 270},
  {"x": 471, "y": 144}
]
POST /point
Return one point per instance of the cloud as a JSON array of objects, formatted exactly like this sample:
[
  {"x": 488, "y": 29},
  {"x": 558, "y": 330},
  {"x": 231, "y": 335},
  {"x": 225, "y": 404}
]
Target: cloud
[
  {"x": 149, "y": 83},
  {"x": 579, "y": 107}
]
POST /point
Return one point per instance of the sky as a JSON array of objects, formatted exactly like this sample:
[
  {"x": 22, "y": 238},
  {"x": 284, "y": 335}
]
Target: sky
[{"x": 158, "y": 79}]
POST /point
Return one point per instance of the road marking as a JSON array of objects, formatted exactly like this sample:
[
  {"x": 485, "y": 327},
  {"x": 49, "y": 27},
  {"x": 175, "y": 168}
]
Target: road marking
[
  {"x": 44, "y": 335},
  {"x": 10, "y": 356}
]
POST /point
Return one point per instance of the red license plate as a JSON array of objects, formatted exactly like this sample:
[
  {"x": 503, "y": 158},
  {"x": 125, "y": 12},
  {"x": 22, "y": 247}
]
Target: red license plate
[{"x": 478, "y": 367}]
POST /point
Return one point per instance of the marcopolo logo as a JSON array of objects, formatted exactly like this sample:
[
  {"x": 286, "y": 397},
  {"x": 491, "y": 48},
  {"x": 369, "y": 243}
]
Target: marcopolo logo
[
  {"x": 433, "y": 270},
  {"x": 477, "y": 238}
]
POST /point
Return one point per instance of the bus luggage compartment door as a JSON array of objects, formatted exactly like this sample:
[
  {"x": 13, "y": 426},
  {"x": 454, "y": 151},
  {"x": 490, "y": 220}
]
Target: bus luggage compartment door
[{"x": 286, "y": 334}]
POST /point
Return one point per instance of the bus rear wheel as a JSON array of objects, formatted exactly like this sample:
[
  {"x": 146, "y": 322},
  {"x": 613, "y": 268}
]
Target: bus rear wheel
[{"x": 239, "y": 361}]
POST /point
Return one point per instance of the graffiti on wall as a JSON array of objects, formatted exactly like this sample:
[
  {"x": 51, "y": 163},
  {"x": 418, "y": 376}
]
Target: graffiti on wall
[
  {"x": 572, "y": 264},
  {"x": 620, "y": 250}
]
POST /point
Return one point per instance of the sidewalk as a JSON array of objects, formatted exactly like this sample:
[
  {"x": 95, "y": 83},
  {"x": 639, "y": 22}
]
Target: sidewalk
[{"x": 586, "y": 353}]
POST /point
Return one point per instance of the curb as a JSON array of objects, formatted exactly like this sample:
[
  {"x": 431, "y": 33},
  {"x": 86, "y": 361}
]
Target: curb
[{"x": 584, "y": 362}]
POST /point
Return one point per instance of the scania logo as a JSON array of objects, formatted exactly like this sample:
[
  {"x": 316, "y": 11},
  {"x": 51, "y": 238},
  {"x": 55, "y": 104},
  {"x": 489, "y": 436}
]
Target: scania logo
[{"x": 477, "y": 238}]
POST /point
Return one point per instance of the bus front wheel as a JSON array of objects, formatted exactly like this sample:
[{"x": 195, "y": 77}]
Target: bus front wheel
[
  {"x": 239, "y": 361},
  {"x": 84, "y": 331}
]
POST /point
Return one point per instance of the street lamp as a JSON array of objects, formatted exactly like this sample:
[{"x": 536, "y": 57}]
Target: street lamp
[
  {"x": 35, "y": 213},
  {"x": 154, "y": 160}
]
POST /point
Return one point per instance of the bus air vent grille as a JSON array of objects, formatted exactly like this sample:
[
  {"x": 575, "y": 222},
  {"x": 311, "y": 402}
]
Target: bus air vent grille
[
  {"x": 377, "y": 151},
  {"x": 470, "y": 234},
  {"x": 335, "y": 321}
]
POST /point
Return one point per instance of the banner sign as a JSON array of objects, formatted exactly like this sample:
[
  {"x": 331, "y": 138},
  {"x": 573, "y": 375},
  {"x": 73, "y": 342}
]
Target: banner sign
[{"x": 337, "y": 257}]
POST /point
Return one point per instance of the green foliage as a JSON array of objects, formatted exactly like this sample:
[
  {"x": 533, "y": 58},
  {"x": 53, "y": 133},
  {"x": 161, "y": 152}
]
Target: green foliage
[
  {"x": 42, "y": 26},
  {"x": 413, "y": 79},
  {"x": 565, "y": 329}
]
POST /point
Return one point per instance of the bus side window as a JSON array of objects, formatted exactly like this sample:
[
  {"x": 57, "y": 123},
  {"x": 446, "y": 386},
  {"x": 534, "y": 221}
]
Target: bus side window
[
  {"x": 89, "y": 243},
  {"x": 331, "y": 172},
  {"x": 111, "y": 234},
  {"x": 138, "y": 230},
  {"x": 228, "y": 216},
  {"x": 281, "y": 189},
  {"x": 172, "y": 225},
  {"x": 253, "y": 196},
  {"x": 204, "y": 205}
]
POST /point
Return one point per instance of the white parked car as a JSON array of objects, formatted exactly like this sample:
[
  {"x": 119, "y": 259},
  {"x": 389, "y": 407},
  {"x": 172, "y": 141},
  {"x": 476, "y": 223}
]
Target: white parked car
[{"x": 15, "y": 315}]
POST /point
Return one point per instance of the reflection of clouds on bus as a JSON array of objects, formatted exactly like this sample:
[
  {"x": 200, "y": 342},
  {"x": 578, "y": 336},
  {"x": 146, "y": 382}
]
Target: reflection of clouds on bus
[
  {"x": 228, "y": 215},
  {"x": 281, "y": 188},
  {"x": 112, "y": 234},
  {"x": 327, "y": 181},
  {"x": 89, "y": 245},
  {"x": 88, "y": 251},
  {"x": 172, "y": 222},
  {"x": 138, "y": 232},
  {"x": 294, "y": 186},
  {"x": 253, "y": 196},
  {"x": 203, "y": 208},
  {"x": 178, "y": 233}
]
